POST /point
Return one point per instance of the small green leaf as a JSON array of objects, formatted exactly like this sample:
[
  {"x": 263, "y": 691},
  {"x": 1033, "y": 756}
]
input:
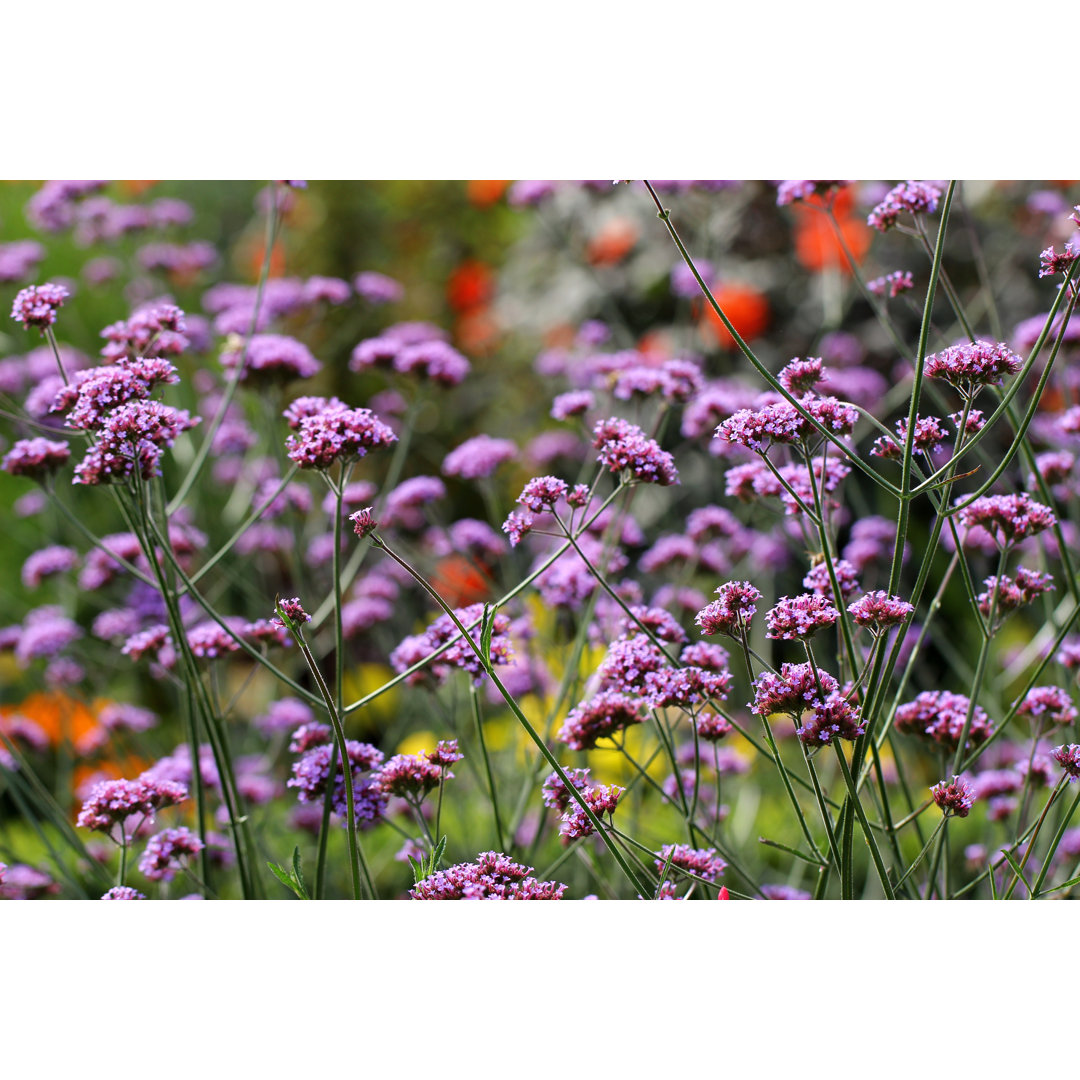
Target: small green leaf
[
  {"x": 486, "y": 628},
  {"x": 298, "y": 874}
]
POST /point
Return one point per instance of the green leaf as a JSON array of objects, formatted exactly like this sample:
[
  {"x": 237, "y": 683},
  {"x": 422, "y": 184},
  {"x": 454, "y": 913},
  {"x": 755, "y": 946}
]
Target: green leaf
[
  {"x": 1016, "y": 869},
  {"x": 486, "y": 628},
  {"x": 298, "y": 874}
]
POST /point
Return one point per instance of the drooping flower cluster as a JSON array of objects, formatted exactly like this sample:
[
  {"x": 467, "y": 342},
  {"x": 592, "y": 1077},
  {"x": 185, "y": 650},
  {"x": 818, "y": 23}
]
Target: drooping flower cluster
[
  {"x": 797, "y": 618},
  {"x": 493, "y": 876},
  {"x": 939, "y": 715},
  {"x": 969, "y": 367},
  {"x": 912, "y": 197},
  {"x": 625, "y": 449},
  {"x": 1008, "y": 518},
  {"x": 602, "y": 799},
  {"x": 955, "y": 798},
  {"x": 1013, "y": 592},
  {"x": 731, "y": 614},
  {"x": 334, "y": 433}
]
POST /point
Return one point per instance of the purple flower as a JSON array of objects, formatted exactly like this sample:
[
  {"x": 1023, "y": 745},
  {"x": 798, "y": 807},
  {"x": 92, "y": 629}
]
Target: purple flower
[
  {"x": 795, "y": 689},
  {"x": 37, "y": 305},
  {"x": 799, "y": 617},
  {"x": 542, "y": 493},
  {"x": 599, "y": 718},
  {"x": 969, "y": 367},
  {"x": 554, "y": 792},
  {"x": 164, "y": 851},
  {"x": 939, "y": 715},
  {"x": 955, "y": 798},
  {"x": 132, "y": 437},
  {"x": 929, "y": 436},
  {"x": 912, "y": 196},
  {"x": 409, "y": 776},
  {"x": 516, "y": 526},
  {"x": 446, "y": 752},
  {"x": 293, "y": 610},
  {"x": 434, "y": 360},
  {"x": 817, "y": 579},
  {"x": 492, "y": 877},
  {"x": 801, "y": 376},
  {"x": 1050, "y": 262},
  {"x": 272, "y": 358},
  {"x": 336, "y": 435},
  {"x": 835, "y": 717},
  {"x": 683, "y": 282},
  {"x": 35, "y": 458},
  {"x": 702, "y": 863},
  {"x": 377, "y": 288},
  {"x": 478, "y": 457},
  {"x": 1068, "y": 757},
  {"x": 575, "y": 823},
  {"x": 363, "y": 522},
  {"x": 623, "y": 447},
  {"x": 684, "y": 687},
  {"x": 879, "y": 611},
  {"x": 1013, "y": 593},
  {"x": 899, "y": 281},
  {"x": 118, "y": 716},
  {"x": 311, "y": 774},
  {"x": 48, "y": 562},
  {"x": 123, "y": 892},
  {"x": 1047, "y": 704},
  {"x": 404, "y": 502},
  {"x": 1008, "y": 518},
  {"x": 208, "y": 641},
  {"x": 732, "y": 612},
  {"x": 378, "y": 352},
  {"x": 45, "y": 632},
  {"x": 20, "y": 259},
  {"x": 530, "y": 192},
  {"x": 308, "y": 736},
  {"x": 628, "y": 661},
  {"x": 574, "y": 403},
  {"x": 112, "y": 802}
]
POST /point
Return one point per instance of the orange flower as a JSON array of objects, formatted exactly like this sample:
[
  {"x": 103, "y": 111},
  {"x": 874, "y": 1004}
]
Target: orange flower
[
  {"x": 816, "y": 245},
  {"x": 460, "y": 582},
  {"x": 470, "y": 286},
  {"x": 136, "y": 187},
  {"x": 257, "y": 252},
  {"x": 61, "y": 717},
  {"x": 477, "y": 332},
  {"x": 485, "y": 192},
  {"x": 747, "y": 309},
  {"x": 614, "y": 241}
]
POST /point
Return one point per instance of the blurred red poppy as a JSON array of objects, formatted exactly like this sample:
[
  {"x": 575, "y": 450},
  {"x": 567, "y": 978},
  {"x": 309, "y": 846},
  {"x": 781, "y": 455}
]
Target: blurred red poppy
[
  {"x": 470, "y": 286},
  {"x": 747, "y": 309},
  {"x": 485, "y": 192},
  {"x": 615, "y": 240},
  {"x": 460, "y": 582}
]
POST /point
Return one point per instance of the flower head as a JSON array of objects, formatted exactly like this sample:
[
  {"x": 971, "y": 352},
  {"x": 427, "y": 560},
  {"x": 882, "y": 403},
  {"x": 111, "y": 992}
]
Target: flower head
[
  {"x": 800, "y": 617},
  {"x": 624, "y": 448},
  {"x": 35, "y": 458},
  {"x": 878, "y": 611},
  {"x": 732, "y": 612},
  {"x": 363, "y": 522},
  {"x": 1068, "y": 757},
  {"x": 37, "y": 305},
  {"x": 971, "y": 366},
  {"x": 1008, "y": 518},
  {"x": 164, "y": 851},
  {"x": 337, "y": 434},
  {"x": 493, "y": 876},
  {"x": 912, "y": 197},
  {"x": 955, "y": 798}
]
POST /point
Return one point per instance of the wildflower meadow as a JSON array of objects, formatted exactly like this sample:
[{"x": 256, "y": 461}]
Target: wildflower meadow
[{"x": 637, "y": 540}]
